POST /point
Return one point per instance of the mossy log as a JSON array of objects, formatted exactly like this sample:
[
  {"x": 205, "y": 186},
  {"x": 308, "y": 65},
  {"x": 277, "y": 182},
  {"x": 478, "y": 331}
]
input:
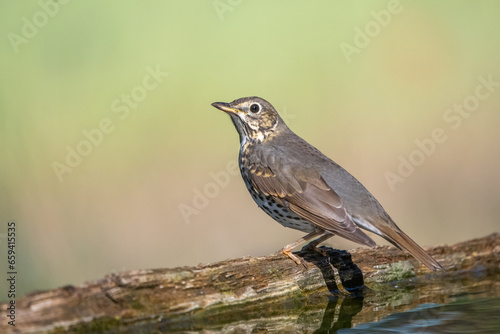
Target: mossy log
[{"x": 250, "y": 287}]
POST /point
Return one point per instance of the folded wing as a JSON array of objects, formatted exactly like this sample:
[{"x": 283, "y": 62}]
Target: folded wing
[{"x": 309, "y": 196}]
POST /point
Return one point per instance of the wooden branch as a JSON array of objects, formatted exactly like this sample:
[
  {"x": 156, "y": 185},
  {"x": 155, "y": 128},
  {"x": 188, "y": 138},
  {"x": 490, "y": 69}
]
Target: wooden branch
[{"x": 214, "y": 293}]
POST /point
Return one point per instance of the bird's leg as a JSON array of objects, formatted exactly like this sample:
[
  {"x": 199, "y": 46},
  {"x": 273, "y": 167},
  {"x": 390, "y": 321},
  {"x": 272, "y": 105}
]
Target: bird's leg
[
  {"x": 287, "y": 250},
  {"x": 313, "y": 244}
]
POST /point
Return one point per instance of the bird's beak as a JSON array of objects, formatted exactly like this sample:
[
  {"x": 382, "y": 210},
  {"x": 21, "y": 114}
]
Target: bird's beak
[{"x": 227, "y": 108}]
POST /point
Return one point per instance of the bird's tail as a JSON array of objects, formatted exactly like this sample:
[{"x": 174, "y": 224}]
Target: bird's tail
[{"x": 400, "y": 239}]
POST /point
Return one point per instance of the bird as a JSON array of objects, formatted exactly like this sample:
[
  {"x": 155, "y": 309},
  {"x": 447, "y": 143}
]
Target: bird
[{"x": 303, "y": 189}]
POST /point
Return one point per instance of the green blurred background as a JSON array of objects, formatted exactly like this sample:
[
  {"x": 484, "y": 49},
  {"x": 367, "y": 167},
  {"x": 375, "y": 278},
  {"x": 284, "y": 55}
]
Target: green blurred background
[{"x": 121, "y": 207}]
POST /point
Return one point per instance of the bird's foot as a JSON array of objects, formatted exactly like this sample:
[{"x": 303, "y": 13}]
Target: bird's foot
[{"x": 295, "y": 258}]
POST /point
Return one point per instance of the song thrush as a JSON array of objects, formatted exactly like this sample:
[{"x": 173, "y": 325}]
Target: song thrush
[{"x": 301, "y": 188}]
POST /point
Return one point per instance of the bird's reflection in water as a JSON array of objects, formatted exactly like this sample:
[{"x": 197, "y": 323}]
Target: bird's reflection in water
[{"x": 336, "y": 318}]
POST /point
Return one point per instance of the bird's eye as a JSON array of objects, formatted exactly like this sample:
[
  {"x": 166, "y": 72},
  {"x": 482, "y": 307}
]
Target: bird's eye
[{"x": 255, "y": 108}]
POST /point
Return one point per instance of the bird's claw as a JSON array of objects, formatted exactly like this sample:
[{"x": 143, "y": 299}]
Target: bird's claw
[{"x": 294, "y": 257}]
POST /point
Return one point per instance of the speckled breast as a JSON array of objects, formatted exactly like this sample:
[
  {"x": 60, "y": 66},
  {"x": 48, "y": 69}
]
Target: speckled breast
[{"x": 275, "y": 209}]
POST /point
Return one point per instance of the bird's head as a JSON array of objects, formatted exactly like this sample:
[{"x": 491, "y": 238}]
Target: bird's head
[{"x": 255, "y": 119}]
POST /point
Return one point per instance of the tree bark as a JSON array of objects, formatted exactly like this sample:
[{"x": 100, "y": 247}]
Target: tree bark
[{"x": 249, "y": 287}]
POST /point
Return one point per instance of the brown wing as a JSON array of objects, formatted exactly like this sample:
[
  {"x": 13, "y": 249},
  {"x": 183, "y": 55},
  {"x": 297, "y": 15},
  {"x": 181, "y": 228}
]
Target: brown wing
[{"x": 308, "y": 195}]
